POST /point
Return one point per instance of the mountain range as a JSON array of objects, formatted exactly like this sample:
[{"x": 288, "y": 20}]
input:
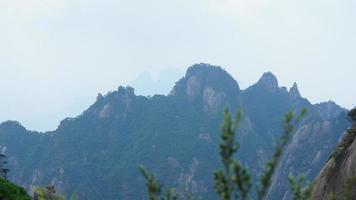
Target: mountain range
[{"x": 96, "y": 154}]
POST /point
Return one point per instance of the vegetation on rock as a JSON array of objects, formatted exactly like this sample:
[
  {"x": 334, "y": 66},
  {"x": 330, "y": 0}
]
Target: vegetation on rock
[
  {"x": 337, "y": 180},
  {"x": 348, "y": 138},
  {"x": 352, "y": 115},
  {"x": 9, "y": 191}
]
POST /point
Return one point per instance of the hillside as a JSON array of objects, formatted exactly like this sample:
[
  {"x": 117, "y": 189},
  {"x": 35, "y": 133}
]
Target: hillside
[
  {"x": 338, "y": 177},
  {"x": 96, "y": 154}
]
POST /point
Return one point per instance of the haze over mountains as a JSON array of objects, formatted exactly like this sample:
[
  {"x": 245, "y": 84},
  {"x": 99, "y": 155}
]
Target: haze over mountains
[
  {"x": 97, "y": 153},
  {"x": 147, "y": 85}
]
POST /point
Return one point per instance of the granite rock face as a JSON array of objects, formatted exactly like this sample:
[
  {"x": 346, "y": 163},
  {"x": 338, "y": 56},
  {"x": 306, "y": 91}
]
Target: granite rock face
[{"x": 338, "y": 177}]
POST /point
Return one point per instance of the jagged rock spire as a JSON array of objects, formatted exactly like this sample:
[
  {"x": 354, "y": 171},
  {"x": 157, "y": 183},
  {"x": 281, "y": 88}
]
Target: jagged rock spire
[{"x": 294, "y": 92}]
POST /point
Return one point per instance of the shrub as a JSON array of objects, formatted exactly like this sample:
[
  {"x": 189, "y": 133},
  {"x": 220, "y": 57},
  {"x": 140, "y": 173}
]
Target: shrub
[
  {"x": 9, "y": 191},
  {"x": 344, "y": 144},
  {"x": 352, "y": 115}
]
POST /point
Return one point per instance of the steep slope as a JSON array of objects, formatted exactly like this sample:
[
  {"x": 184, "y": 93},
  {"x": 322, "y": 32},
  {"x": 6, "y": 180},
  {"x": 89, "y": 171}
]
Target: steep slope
[
  {"x": 310, "y": 146},
  {"x": 338, "y": 177},
  {"x": 97, "y": 153},
  {"x": 25, "y": 150}
]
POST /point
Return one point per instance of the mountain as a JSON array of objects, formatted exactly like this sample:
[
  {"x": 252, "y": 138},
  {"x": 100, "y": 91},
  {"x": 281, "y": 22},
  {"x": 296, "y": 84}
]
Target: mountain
[
  {"x": 96, "y": 154},
  {"x": 337, "y": 179}
]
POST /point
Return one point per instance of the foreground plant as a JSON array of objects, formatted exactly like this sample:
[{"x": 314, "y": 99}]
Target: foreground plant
[
  {"x": 301, "y": 190},
  {"x": 49, "y": 193},
  {"x": 10, "y": 191},
  {"x": 154, "y": 187},
  {"x": 233, "y": 181}
]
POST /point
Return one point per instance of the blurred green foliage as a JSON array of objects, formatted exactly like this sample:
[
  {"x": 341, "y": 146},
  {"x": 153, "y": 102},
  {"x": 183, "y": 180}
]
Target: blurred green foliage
[{"x": 9, "y": 191}]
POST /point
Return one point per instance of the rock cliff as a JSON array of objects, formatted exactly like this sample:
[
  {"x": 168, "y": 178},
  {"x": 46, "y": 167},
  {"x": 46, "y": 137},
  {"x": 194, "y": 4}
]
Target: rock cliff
[{"x": 337, "y": 180}]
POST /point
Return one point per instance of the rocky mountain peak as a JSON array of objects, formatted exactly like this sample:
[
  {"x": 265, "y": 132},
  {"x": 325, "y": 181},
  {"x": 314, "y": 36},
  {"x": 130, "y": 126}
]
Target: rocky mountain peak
[
  {"x": 202, "y": 76},
  {"x": 209, "y": 85},
  {"x": 12, "y": 125},
  {"x": 294, "y": 91},
  {"x": 126, "y": 90},
  {"x": 113, "y": 103},
  {"x": 269, "y": 81}
]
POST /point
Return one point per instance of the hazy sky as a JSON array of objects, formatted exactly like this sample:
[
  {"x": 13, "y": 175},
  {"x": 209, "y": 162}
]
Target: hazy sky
[{"x": 56, "y": 55}]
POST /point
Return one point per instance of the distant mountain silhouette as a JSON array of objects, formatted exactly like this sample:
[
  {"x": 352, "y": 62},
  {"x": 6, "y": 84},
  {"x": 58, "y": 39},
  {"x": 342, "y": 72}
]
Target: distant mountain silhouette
[{"x": 146, "y": 85}]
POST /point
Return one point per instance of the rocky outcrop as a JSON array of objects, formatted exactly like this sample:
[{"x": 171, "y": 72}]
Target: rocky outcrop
[
  {"x": 201, "y": 76},
  {"x": 269, "y": 81},
  {"x": 210, "y": 85},
  {"x": 337, "y": 180},
  {"x": 294, "y": 92}
]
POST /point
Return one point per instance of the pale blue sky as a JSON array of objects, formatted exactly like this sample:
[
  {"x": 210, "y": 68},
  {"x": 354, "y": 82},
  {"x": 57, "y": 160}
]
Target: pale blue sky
[{"x": 56, "y": 55}]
